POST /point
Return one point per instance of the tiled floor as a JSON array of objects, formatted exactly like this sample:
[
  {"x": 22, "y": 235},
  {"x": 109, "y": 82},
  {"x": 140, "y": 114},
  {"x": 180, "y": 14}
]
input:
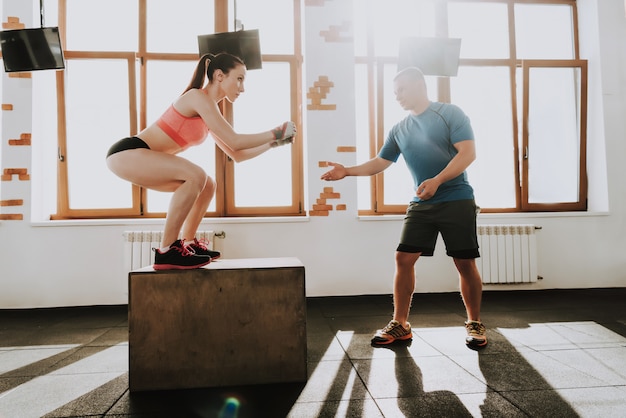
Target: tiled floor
[{"x": 557, "y": 353}]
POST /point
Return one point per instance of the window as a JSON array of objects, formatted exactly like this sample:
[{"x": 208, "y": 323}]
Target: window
[
  {"x": 523, "y": 86},
  {"x": 127, "y": 60}
]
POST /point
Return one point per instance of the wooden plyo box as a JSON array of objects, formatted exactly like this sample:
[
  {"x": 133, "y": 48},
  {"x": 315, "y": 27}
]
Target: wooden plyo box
[{"x": 232, "y": 322}]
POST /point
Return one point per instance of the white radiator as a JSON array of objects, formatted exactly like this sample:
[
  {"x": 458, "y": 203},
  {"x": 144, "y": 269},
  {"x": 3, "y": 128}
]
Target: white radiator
[
  {"x": 508, "y": 253},
  {"x": 138, "y": 246}
]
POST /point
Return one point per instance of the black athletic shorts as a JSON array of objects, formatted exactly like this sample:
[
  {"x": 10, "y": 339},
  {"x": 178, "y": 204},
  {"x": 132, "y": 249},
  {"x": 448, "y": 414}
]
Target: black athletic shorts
[
  {"x": 132, "y": 142},
  {"x": 456, "y": 221}
]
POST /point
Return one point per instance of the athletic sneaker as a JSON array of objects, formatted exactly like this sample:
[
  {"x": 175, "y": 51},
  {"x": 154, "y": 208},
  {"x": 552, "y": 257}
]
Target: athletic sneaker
[
  {"x": 394, "y": 331},
  {"x": 476, "y": 334},
  {"x": 201, "y": 248},
  {"x": 178, "y": 257}
]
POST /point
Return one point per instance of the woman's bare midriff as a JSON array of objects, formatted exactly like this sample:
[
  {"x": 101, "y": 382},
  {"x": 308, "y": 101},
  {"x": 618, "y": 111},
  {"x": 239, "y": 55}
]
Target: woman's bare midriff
[{"x": 158, "y": 140}]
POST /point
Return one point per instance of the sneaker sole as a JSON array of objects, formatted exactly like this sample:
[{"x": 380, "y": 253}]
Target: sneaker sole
[
  {"x": 177, "y": 267},
  {"x": 385, "y": 342},
  {"x": 475, "y": 343},
  {"x": 212, "y": 258}
]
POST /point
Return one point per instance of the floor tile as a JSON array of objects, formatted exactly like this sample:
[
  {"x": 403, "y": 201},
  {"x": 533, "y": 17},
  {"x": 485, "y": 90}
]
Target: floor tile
[{"x": 550, "y": 353}]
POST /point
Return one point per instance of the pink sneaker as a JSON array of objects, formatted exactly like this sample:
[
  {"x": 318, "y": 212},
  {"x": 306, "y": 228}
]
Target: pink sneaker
[{"x": 201, "y": 248}]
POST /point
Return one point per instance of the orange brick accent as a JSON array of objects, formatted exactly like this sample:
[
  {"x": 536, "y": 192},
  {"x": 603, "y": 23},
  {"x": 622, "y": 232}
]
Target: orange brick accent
[
  {"x": 20, "y": 75},
  {"x": 6, "y": 106},
  {"x": 333, "y": 34},
  {"x": 12, "y": 217},
  {"x": 24, "y": 140},
  {"x": 13, "y": 23},
  {"x": 346, "y": 149},
  {"x": 318, "y": 92},
  {"x": 322, "y": 107},
  {"x": 321, "y": 208},
  {"x": 12, "y": 202},
  {"x": 22, "y": 174},
  {"x": 15, "y": 171},
  {"x": 341, "y": 207},
  {"x": 322, "y": 163},
  {"x": 18, "y": 142}
]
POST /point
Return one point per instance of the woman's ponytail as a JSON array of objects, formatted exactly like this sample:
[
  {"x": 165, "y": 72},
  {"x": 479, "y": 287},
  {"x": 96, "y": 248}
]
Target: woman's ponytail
[
  {"x": 202, "y": 68},
  {"x": 206, "y": 66}
]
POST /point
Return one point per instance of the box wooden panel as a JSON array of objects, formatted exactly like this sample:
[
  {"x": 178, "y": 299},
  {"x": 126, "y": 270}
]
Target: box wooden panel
[{"x": 232, "y": 322}]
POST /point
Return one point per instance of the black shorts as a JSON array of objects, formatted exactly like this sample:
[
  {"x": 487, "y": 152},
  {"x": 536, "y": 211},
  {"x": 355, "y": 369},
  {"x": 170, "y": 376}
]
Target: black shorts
[
  {"x": 456, "y": 221},
  {"x": 132, "y": 142}
]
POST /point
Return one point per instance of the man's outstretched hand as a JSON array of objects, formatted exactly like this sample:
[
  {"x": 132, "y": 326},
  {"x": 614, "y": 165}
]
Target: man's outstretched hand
[{"x": 337, "y": 172}]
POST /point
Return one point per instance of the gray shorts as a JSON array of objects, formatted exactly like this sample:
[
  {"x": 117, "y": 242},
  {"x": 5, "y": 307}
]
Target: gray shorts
[{"x": 456, "y": 221}]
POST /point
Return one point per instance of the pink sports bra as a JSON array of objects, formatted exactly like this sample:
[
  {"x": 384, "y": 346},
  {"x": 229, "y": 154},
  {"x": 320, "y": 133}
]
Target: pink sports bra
[{"x": 185, "y": 131}]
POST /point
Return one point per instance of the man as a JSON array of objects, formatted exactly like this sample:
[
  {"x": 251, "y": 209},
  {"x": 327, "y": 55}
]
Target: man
[{"x": 437, "y": 142}]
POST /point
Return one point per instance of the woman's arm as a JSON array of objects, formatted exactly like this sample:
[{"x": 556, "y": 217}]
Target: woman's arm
[
  {"x": 243, "y": 154},
  {"x": 210, "y": 113}
]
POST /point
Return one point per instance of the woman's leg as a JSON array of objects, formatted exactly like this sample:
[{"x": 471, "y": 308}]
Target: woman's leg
[
  {"x": 199, "y": 209},
  {"x": 167, "y": 173}
]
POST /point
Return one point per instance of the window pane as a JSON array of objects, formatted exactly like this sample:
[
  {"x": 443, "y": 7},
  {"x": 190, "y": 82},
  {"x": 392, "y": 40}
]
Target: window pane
[
  {"x": 51, "y": 9},
  {"x": 165, "y": 34},
  {"x": 417, "y": 18},
  {"x": 483, "y": 28},
  {"x": 273, "y": 19},
  {"x": 45, "y": 148},
  {"x": 90, "y": 132},
  {"x": 264, "y": 180},
  {"x": 399, "y": 188},
  {"x": 544, "y": 31},
  {"x": 399, "y": 184},
  {"x": 166, "y": 80},
  {"x": 484, "y": 94},
  {"x": 553, "y": 135},
  {"x": 97, "y": 33}
]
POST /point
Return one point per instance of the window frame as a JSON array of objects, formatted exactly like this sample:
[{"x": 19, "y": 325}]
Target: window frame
[
  {"x": 137, "y": 78},
  {"x": 376, "y": 89},
  {"x": 581, "y": 203}
]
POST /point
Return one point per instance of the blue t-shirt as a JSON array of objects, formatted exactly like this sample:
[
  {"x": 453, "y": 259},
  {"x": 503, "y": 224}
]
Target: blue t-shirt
[{"x": 425, "y": 141}]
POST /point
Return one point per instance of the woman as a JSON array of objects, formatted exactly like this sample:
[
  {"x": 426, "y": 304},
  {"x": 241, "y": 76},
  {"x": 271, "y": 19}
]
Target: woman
[{"x": 149, "y": 159}]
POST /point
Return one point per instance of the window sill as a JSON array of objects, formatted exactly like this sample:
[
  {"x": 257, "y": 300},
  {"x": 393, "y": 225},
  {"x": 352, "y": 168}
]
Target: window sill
[
  {"x": 160, "y": 222},
  {"x": 298, "y": 219}
]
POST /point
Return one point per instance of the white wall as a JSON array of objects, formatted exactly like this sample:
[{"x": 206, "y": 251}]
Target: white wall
[{"x": 80, "y": 263}]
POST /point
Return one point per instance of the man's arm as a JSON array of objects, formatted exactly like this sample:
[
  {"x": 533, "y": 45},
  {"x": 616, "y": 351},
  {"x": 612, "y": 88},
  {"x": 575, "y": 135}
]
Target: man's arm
[
  {"x": 466, "y": 155},
  {"x": 369, "y": 168}
]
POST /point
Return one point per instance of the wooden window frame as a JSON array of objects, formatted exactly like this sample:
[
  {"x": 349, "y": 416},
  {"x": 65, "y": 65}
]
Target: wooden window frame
[
  {"x": 375, "y": 85},
  {"x": 224, "y": 167},
  {"x": 581, "y": 203}
]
